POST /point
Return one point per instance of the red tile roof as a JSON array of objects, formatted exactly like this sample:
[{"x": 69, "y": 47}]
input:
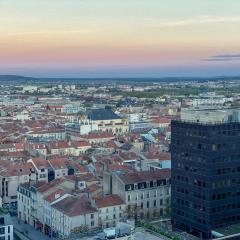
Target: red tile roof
[
  {"x": 99, "y": 135},
  {"x": 79, "y": 144},
  {"x": 40, "y": 162},
  {"x": 10, "y": 169},
  {"x": 74, "y": 206},
  {"x": 52, "y": 197},
  {"x": 130, "y": 178},
  {"x": 108, "y": 201}
]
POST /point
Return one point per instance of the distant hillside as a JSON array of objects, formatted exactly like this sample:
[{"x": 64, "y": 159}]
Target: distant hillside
[
  {"x": 10, "y": 79},
  {"x": 14, "y": 78}
]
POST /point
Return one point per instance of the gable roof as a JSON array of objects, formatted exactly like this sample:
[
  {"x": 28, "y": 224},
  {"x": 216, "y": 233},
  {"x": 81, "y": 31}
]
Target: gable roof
[
  {"x": 108, "y": 201},
  {"x": 74, "y": 206}
]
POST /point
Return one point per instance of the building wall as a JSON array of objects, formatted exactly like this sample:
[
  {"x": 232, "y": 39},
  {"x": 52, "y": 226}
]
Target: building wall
[
  {"x": 9, "y": 185},
  {"x": 205, "y": 176},
  {"x": 113, "y": 125},
  {"x": 149, "y": 202},
  {"x": 6, "y": 232},
  {"x": 109, "y": 216}
]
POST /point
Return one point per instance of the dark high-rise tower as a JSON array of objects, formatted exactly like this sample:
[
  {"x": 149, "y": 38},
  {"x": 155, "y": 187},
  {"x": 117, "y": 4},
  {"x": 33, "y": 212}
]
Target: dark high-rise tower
[{"x": 206, "y": 171}]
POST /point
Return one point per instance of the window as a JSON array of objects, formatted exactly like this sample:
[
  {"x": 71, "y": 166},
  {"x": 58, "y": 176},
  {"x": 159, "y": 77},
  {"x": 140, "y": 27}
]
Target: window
[
  {"x": 92, "y": 223},
  {"x": 2, "y": 230},
  {"x": 161, "y": 212}
]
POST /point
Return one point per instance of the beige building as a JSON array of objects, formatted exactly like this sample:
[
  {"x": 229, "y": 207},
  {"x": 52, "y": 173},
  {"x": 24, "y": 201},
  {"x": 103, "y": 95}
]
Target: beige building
[
  {"x": 108, "y": 121},
  {"x": 111, "y": 209},
  {"x": 73, "y": 215},
  {"x": 74, "y": 148},
  {"x": 58, "y": 210},
  {"x": 11, "y": 175},
  {"x": 31, "y": 200},
  {"x": 146, "y": 194}
]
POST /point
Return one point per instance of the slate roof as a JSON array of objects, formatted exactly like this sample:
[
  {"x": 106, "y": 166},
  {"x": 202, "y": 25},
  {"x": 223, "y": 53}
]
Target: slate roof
[{"x": 102, "y": 114}]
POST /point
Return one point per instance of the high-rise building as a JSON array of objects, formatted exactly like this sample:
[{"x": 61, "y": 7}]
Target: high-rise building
[{"x": 206, "y": 171}]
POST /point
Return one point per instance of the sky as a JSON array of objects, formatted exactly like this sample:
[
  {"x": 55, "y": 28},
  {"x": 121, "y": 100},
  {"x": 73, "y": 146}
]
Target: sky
[{"x": 120, "y": 38}]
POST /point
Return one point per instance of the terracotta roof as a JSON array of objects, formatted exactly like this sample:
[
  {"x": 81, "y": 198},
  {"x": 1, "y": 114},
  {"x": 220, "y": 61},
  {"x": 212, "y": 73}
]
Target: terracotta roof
[
  {"x": 99, "y": 135},
  {"x": 52, "y": 197},
  {"x": 58, "y": 163},
  {"x": 123, "y": 168},
  {"x": 89, "y": 177},
  {"x": 47, "y": 186},
  {"x": 92, "y": 188},
  {"x": 162, "y": 121},
  {"x": 74, "y": 206},
  {"x": 75, "y": 165},
  {"x": 157, "y": 155},
  {"x": 108, "y": 201},
  {"x": 59, "y": 145},
  {"x": 79, "y": 144},
  {"x": 10, "y": 169},
  {"x": 131, "y": 178},
  {"x": 40, "y": 162}
]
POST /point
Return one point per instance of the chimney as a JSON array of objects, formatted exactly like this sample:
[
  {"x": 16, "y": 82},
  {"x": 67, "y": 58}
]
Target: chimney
[
  {"x": 57, "y": 195},
  {"x": 93, "y": 202}
]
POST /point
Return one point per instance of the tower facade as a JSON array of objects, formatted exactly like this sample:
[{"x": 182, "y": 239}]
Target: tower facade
[{"x": 205, "y": 175}]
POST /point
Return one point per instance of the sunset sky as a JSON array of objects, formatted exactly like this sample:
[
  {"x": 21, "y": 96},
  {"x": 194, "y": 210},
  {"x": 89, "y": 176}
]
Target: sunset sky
[{"x": 120, "y": 38}]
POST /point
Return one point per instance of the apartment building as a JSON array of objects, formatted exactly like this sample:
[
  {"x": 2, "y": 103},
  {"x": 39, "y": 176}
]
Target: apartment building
[
  {"x": 11, "y": 175},
  {"x": 58, "y": 209},
  {"x": 73, "y": 215},
  {"x": 146, "y": 194},
  {"x": 6, "y": 227},
  {"x": 111, "y": 209},
  {"x": 31, "y": 199}
]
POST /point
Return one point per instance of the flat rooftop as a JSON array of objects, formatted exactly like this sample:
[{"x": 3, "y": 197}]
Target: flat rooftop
[{"x": 211, "y": 115}]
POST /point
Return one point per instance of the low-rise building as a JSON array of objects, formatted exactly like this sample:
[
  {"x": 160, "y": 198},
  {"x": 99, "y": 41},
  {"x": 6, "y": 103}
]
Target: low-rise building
[
  {"x": 73, "y": 215},
  {"x": 111, "y": 209}
]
